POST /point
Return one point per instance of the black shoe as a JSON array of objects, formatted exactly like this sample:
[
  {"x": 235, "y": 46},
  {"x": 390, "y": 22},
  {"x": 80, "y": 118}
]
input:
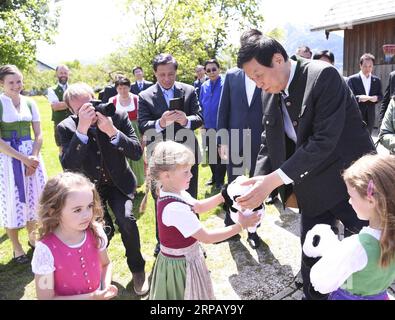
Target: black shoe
[
  {"x": 253, "y": 240},
  {"x": 157, "y": 249},
  {"x": 210, "y": 182},
  {"x": 270, "y": 200},
  {"x": 23, "y": 259}
]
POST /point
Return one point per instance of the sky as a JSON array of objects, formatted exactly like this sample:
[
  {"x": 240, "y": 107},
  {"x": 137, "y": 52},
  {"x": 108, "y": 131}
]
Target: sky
[
  {"x": 90, "y": 29},
  {"x": 87, "y": 31},
  {"x": 307, "y": 12}
]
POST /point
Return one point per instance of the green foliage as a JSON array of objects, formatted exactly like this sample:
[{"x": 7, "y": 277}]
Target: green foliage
[
  {"x": 39, "y": 81},
  {"x": 94, "y": 75},
  {"x": 192, "y": 31},
  {"x": 22, "y": 24}
]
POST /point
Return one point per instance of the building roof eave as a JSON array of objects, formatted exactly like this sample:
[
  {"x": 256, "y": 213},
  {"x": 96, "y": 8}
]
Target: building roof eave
[{"x": 349, "y": 24}]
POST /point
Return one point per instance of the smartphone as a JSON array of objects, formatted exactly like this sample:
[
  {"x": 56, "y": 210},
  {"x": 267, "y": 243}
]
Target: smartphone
[{"x": 176, "y": 104}]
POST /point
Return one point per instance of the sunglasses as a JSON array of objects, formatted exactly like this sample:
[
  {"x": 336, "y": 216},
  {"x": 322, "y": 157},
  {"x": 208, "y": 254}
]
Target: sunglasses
[{"x": 211, "y": 70}]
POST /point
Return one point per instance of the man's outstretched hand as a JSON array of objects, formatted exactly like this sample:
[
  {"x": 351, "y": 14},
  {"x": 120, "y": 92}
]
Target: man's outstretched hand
[{"x": 262, "y": 186}]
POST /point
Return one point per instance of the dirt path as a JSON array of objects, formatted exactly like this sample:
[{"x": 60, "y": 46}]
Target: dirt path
[{"x": 240, "y": 272}]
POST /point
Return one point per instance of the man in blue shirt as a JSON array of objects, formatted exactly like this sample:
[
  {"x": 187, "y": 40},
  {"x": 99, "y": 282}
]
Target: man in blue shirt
[{"x": 210, "y": 94}]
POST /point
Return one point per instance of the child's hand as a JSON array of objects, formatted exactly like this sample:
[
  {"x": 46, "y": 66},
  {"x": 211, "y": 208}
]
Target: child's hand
[
  {"x": 108, "y": 293},
  {"x": 250, "y": 220}
]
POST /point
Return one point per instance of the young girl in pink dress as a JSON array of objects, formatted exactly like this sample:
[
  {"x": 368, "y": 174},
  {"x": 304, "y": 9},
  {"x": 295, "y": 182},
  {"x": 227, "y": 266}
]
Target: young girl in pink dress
[
  {"x": 70, "y": 260},
  {"x": 180, "y": 270}
]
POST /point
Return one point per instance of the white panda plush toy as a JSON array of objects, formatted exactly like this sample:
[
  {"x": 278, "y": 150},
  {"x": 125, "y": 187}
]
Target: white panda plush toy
[
  {"x": 323, "y": 244},
  {"x": 235, "y": 190},
  {"x": 320, "y": 240}
]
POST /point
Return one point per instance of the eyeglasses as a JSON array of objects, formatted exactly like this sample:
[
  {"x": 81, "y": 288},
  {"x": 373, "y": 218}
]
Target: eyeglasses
[{"x": 211, "y": 70}]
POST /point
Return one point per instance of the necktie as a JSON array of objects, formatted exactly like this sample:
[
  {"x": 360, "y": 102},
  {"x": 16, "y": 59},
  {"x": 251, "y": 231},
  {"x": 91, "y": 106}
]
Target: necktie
[
  {"x": 288, "y": 127},
  {"x": 140, "y": 86}
]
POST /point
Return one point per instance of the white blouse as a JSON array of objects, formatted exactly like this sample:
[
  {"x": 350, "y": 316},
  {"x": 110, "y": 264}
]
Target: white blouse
[
  {"x": 10, "y": 114},
  {"x": 131, "y": 107},
  {"x": 43, "y": 261},
  {"x": 180, "y": 215},
  {"x": 337, "y": 265}
]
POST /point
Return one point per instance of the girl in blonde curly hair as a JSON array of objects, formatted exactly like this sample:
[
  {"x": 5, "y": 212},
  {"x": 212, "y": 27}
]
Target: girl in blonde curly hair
[{"x": 70, "y": 260}]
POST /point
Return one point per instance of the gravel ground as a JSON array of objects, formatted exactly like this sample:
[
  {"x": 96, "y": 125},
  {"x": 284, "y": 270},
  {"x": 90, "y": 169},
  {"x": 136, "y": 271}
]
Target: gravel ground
[{"x": 240, "y": 272}]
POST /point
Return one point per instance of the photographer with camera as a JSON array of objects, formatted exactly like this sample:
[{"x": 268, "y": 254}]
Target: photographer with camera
[{"x": 95, "y": 141}]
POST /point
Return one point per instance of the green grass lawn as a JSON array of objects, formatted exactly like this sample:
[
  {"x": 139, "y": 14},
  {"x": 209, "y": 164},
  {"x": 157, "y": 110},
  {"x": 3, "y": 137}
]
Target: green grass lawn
[{"x": 17, "y": 281}]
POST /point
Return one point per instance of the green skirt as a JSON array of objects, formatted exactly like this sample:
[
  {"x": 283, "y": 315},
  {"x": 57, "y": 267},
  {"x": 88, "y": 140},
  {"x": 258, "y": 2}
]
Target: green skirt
[
  {"x": 168, "y": 279},
  {"x": 137, "y": 166}
]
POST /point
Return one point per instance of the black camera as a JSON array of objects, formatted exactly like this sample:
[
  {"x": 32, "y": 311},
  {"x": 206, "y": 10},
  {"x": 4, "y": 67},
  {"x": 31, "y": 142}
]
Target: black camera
[{"x": 106, "y": 109}]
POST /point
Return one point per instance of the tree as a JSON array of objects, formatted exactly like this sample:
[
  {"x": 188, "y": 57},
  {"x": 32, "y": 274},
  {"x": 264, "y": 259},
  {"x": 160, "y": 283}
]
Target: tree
[
  {"x": 22, "y": 24},
  {"x": 191, "y": 30},
  {"x": 36, "y": 81},
  {"x": 39, "y": 81}
]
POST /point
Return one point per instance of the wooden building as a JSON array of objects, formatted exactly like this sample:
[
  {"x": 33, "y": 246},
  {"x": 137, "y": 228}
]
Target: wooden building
[{"x": 367, "y": 25}]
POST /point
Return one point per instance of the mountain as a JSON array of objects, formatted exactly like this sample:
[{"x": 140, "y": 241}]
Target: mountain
[{"x": 298, "y": 35}]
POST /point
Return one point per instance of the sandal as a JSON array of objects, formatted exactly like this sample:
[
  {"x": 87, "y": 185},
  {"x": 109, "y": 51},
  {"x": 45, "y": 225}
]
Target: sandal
[{"x": 23, "y": 259}]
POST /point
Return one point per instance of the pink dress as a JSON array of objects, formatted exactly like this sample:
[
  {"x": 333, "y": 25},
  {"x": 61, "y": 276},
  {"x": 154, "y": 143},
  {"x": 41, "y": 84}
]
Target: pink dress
[{"x": 77, "y": 270}]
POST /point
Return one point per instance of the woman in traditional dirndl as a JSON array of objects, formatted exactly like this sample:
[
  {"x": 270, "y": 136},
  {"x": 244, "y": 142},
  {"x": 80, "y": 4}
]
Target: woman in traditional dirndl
[{"x": 22, "y": 173}]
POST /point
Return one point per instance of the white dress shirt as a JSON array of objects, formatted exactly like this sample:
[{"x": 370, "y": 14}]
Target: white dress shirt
[
  {"x": 168, "y": 94},
  {"x": 366, "y": 81},
  {"x": 250, "y": 89},
  {"x": 52, "y": 97},
  {"x": 283, "y": 176}
]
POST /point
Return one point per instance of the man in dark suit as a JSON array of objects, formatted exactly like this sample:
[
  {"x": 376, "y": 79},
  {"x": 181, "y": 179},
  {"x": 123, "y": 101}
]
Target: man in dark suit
[
  {"x": 97, "y": 146},
  {"x": 141, "y": 84},
  {"x": 157, "y": 122},
  {"x": 389, "y": 92},
  {"x": 240, "y": 114},
  {"x": 367, "y": 89},
  {"x": 312, "y": 131}
]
